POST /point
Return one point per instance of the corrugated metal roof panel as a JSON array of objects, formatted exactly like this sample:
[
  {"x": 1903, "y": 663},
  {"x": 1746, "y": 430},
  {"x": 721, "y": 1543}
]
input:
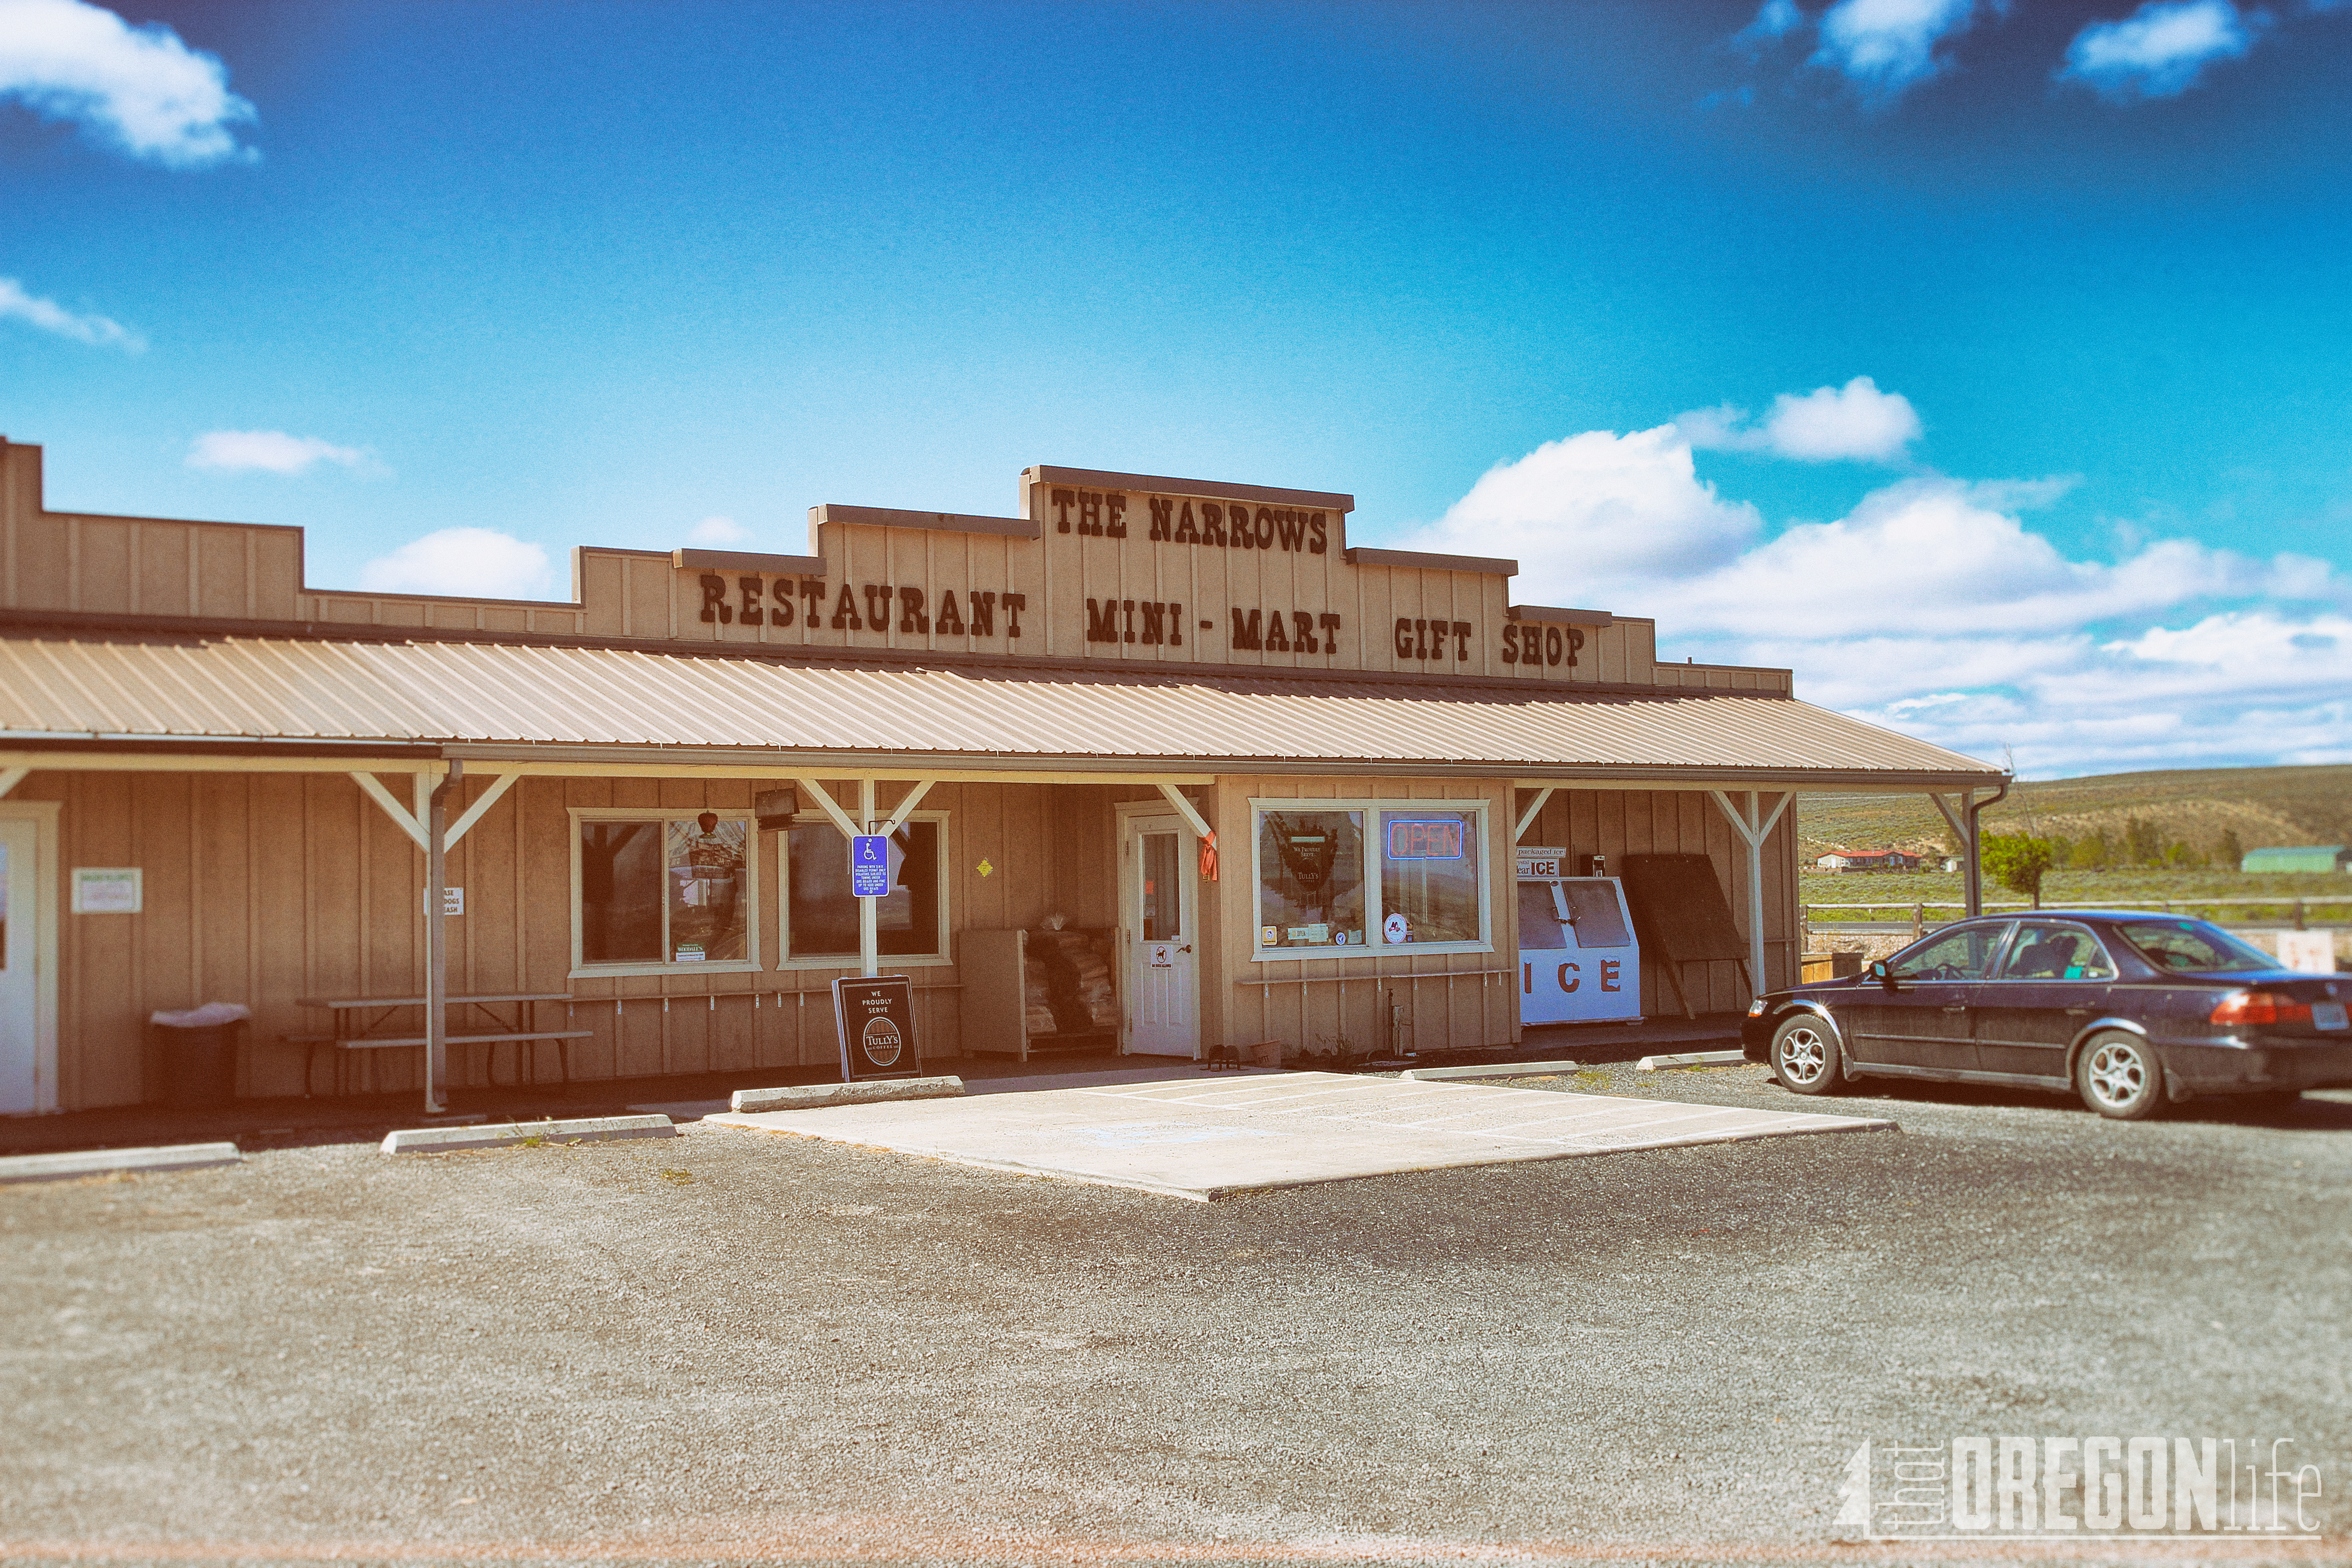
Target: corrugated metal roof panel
[{"x": 493, "y": 694}]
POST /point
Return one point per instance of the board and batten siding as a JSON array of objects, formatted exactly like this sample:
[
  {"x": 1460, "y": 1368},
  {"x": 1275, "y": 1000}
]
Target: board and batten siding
[
  {"x": 1618, "y": 823},
  {"x": 1303, "y": 1002},
  {"x": 265, "y": 889}
]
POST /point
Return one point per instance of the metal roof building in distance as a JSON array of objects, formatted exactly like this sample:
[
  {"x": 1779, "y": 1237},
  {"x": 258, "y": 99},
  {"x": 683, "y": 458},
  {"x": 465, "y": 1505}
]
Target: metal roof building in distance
[{"x": 2298, "y": 857}]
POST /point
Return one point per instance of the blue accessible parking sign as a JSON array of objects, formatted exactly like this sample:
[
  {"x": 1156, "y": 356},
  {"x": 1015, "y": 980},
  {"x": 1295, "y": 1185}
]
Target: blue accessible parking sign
[{"x": 869, "y": 866}]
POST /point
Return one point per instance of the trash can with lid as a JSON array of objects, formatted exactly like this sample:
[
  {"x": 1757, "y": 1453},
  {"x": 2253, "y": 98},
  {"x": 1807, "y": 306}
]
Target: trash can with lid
[{"x": 199, "y": 1051}]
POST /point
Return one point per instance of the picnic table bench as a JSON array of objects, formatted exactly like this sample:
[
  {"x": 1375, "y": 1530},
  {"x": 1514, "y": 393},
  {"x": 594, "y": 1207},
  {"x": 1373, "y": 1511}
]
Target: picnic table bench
[{"x": 356, "y": 1017}]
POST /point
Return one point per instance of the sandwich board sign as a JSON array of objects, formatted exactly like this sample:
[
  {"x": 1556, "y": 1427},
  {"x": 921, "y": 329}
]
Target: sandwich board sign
[
  {"x": 875, "y": 1017},
  {"x": 869, "y": 866}
]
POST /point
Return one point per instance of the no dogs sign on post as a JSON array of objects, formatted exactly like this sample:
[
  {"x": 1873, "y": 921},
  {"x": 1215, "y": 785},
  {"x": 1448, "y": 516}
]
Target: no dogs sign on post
[{"x": 877, "y": 1020}]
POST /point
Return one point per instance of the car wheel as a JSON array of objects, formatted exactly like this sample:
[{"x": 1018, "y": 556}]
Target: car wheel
[
  {"x": 1805, "y": 1056},
  {"x": 2118, "y": 1076}
]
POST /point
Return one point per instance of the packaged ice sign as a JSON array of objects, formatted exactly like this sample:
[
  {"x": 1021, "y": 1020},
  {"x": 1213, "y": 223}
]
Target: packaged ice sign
[
  {"x": 1540, "y": 860},
  {"x": 1579, "y": 959},
  {"x": 875, "y": 1017},
  {"x": 869, "y": 866},
  {"x": 1425, "y": 839}
]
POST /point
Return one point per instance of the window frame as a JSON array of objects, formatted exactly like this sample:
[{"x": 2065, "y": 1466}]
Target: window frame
[
  {"x": 943, "y": 958},
  {"x": 582, "y": 970},
  {"x": 1377, "y": 810},
  {"x": 2013, "y": 946},
  {"x": 2003, "y": 928}
]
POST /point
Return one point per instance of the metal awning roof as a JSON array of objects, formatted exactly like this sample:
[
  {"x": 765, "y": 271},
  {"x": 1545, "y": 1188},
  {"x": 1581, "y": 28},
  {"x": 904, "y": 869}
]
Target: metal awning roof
[{"x": 486, "y": 701}]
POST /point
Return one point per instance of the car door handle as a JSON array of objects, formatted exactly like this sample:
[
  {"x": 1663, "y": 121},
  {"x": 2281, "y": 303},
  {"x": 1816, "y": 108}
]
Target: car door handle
[
  {"x": 1956, "y": 1007},
  {"x": 2078, "y": 1012}
]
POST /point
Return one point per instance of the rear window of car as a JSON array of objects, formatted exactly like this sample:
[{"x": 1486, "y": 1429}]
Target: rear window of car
[{"x": 2195, "y": 947}]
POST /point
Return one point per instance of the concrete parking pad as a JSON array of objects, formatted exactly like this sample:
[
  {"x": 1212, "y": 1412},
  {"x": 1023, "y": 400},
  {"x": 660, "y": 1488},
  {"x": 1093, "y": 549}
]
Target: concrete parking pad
[{"x": 1200, "y": 1140}]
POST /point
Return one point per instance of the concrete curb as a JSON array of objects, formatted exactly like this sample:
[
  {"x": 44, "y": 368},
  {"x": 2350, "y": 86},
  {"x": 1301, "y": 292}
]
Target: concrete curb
[
  {"x": 98, "y": 1162},
  {"x": 680, "y": 1110},
  {"x": 507, "y": 1134},
  {"x": 811, "y": 1097},
  {"x": 1689, "y": 1059},
  {"x": 1499, "y": 1069}
]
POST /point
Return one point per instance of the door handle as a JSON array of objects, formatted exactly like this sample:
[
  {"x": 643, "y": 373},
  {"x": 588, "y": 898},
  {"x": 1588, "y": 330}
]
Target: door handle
[
  {"x": 1956, "y": 1007},
  {"x": 2078, "y": 1012},
  {"x": 1186, "y": 948}
]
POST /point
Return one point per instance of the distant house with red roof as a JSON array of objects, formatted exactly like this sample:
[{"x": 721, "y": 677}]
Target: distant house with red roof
[{"x": 1866, "y": 860}]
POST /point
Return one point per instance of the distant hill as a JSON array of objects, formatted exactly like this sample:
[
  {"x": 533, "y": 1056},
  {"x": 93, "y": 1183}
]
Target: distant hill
[{"x": 2263, "y": 805}]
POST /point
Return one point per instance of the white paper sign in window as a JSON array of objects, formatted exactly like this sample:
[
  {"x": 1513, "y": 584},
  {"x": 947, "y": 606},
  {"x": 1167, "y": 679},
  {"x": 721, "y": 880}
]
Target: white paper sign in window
[{"x": 106, "y": 890}]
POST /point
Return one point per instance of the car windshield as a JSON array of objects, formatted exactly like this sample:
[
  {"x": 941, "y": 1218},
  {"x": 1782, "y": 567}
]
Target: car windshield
[{"x": 2196, "y": 946}]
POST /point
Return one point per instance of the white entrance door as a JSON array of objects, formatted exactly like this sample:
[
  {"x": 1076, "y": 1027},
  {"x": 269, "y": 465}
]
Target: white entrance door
[
  {"x": 19, "y": 992},
  {"x": 1162, "y": 903}
]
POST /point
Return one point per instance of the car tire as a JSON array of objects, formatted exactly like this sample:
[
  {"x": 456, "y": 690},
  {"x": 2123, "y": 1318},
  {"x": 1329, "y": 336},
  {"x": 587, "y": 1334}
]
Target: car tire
[
  {"x": 1806, "y": 1057},
  {"x": 2118, "y": 1076}
]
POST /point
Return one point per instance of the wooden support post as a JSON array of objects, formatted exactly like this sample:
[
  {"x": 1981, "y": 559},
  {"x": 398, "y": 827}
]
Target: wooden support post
[
  {"x": 1754, "y": 827},
  {"x": 436, "y": 938},
  {"x": 869, "y": 913}
]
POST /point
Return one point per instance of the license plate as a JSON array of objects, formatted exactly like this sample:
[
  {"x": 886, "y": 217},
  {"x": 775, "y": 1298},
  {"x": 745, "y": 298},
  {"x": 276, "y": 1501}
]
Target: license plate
[{"x": 2327, "y": 1014}]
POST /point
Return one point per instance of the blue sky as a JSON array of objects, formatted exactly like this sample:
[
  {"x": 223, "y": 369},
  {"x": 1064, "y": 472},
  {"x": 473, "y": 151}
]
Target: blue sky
[{"x": 1991, "y": 366}]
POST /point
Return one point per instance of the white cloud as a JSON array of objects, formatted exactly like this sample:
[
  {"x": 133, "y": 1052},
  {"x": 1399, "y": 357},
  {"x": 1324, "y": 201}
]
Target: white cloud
[
  {"x": 718, "y": 530},
  {"x": 271, "y": 452},
  {"x": 2158, "y": 50},
  {"x": 16, "y": 304},
  {"x": 140, "y": 89},
  {"x": 1829, "y": 423},
  {"x": 1774, "y": 19},
  {"x": 1932, "y": 608},
  {"x": 1934, "y": 557},
  {"x": 466, "y": 561},
  {"x": 1885, "y": 46},
  {"x": 1598, "y": 513}
]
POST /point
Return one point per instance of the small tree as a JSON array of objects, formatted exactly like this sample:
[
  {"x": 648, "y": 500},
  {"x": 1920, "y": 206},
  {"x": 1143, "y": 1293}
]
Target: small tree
[
  {"x": 2229, "y": 854},
  {"x": 2092, "y": 853},
  {"x": 2018, "y": 861},
  {"x": 2143, "y": 841}
]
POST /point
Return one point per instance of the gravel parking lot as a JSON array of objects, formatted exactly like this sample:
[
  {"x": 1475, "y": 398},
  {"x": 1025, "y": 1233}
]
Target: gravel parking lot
[{"x": 731, "y": 1347}]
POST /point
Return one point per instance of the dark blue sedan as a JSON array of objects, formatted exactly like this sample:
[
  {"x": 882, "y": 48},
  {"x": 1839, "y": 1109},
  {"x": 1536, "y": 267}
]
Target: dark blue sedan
[{"x": 2131, "y": 1011}]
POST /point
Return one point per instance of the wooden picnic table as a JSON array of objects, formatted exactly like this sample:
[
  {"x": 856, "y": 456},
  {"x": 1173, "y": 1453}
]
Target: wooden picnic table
[{"x": 356, "y": 1019}]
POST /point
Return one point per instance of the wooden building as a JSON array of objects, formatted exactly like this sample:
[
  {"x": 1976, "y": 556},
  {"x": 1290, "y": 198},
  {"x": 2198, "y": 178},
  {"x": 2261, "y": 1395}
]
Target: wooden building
[{"x": 1274, "y": 780}]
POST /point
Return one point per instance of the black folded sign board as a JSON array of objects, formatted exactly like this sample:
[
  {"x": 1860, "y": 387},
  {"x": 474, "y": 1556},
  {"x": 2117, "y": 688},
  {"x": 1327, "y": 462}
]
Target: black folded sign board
[{"x": 875, "y": 1017}]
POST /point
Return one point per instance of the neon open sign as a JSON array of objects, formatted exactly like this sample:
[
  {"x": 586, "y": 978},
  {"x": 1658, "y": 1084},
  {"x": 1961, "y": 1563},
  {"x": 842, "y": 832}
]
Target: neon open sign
[{"x": 1425, "y": 839}]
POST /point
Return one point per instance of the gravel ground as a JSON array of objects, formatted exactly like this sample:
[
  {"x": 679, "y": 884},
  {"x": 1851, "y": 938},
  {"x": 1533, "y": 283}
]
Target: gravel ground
[{"x": 727, "y": 1347}]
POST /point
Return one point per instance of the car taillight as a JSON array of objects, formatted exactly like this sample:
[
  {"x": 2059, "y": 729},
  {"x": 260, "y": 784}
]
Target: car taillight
[{"x": 2260, "y": 1007}]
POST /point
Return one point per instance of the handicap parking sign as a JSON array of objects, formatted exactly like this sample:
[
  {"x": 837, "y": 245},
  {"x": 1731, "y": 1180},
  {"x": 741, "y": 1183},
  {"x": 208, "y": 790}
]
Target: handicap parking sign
[{"x": 869, "y": 866}]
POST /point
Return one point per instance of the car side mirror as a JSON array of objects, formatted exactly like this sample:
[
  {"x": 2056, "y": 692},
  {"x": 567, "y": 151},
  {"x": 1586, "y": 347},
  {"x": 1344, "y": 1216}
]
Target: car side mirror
[{"x": 1879, "y": 972}]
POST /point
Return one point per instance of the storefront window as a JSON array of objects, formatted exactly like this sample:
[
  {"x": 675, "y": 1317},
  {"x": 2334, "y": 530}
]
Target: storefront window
[
  {"x": 1348, "y": 874},
  {"x": 820, "y": 914},
  {"x": 1429, "y": 877},
  {"x": 1310, "y": 869},
  {"x": 667, "y": 890}
]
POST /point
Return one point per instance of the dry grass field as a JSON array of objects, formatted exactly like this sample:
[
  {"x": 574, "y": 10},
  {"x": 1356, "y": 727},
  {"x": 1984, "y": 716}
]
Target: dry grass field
[
  {"x": 2326, "y": 899},
  {"x": 2261, "y": 805}
]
